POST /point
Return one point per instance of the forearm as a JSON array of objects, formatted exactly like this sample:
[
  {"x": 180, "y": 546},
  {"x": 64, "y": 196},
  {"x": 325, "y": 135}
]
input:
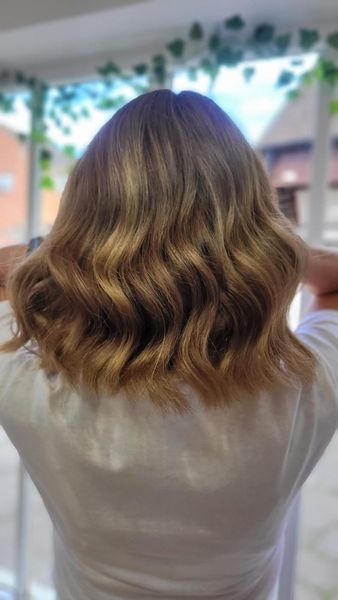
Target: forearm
[
  {"x": 322, "y": 271},
  {"x": 9, "y": 256}
]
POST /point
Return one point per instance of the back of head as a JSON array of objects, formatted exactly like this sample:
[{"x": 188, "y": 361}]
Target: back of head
[{"x": 169, "y": 260}]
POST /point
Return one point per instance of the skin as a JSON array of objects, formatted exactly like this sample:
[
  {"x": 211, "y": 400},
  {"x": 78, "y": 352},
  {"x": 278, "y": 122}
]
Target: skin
[
  {"x": 322, "y": 278},
  {"x": 9, "y": 256}
]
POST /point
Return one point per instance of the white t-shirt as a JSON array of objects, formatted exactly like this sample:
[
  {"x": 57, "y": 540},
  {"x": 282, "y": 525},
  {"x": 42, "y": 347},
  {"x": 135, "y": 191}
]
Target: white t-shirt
[{"x": 168, "y": 507}]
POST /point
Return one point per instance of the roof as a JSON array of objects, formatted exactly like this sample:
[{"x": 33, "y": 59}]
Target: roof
[
  {"x": 69, "y": 38},
  {"x": 295, "y": 123}
]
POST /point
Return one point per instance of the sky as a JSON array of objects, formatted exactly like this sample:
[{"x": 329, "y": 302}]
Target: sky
[{"x": 251, "y": 105}]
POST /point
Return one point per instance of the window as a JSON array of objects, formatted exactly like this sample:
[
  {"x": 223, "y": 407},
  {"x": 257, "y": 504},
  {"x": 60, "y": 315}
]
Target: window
[{"x": 6, "y": 182}]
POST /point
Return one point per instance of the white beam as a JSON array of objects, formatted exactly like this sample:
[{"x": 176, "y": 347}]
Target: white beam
[{"x": 320, "y": 165}]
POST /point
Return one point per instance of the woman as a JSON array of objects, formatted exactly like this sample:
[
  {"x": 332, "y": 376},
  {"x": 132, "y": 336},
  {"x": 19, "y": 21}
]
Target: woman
[{"x": 152, "y": 386}]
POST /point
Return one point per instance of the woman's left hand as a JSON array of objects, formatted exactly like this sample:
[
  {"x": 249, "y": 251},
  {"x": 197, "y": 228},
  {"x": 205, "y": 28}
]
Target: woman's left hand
[{"x": 9, "y": 256}]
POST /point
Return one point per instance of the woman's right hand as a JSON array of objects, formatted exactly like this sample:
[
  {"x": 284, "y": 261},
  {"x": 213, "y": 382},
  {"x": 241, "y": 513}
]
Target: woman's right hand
[
  {"x": 9, "y": 256},
  {"x": 321, "y": 277}
]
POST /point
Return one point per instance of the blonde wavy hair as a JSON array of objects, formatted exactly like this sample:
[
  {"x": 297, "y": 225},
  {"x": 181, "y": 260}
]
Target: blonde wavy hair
[{"x": 169, "y": 261}]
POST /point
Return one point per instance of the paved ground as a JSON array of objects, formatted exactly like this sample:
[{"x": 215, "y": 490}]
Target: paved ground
[
  {"x": 317, "y": 569},
  {"x": 317, "y": 572}
]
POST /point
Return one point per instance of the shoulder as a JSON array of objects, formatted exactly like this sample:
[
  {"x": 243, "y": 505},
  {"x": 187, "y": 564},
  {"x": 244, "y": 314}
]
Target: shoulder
[
  {"x": 319, "y": 331},
  {"x": 22, "y": 382}
]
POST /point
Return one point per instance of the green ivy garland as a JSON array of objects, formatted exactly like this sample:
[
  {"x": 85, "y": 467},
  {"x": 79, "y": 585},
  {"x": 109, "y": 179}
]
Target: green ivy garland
[{"x": 228, "y": 44}]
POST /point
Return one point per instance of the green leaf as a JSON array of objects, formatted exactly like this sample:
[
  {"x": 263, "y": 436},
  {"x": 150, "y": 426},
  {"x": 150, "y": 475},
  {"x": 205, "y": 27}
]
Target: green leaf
[
  {"x": 159, "y": 59},
  {"x": 334, "y": 107},
  {"x": 285, "y": 78},
  {"x": 7, "y": 104},
  {"x": 19, "y": 77},
  {"x": 214, "y": 42},
  {"x": 113, "y": 69},
  {"x": 106, "y": 104},
  {"x": 47, "y": 182},
  {"x": 109, "y": 68},
  {"x": 45, "y": 165},
  {"x": 69, "y": 151},
  {"x": 192, "y": 73},
  {"x": 297, "y": 62},
  {"x": 69, "y": 95},
  {"x": 327, "y": 71},
  {"x": 293, "y": 94},
  {"x": 45, "y": 155},
  {"x": 263, "y": 34},
  {"x": 159, "y": 68},
  {"x": 176, "y": 47},
  {"x": 141, "y": 88},
  {"x": 206, "y": 64},
  {"x": 208, "y": 67},
  {"x": 120, "y": 101},
  {"x": 108, "y": 83},
  {"x": 66, "y": 130},
  {"x": 85, "y": 112},
  {"x": 308, "y": 77},
  {"x": 38, "y": 136},
  {"x": 282, "y": 42},
  {"x": 73, "y": 115},
  {"x": 235, "y": 22},
  {"x": 332, "y": 39},
  {"x": 248, "y": 73},
  {"x": 31, "y": 81},
  {"x": 308, "y": 38},
  {"x": 229, "y": 56},
  {"x": 160, "y": 73},
  {"x": 196, "y": 32},
  {"x": 140, "y": 69},
  {"x": 22, "y": 137}
]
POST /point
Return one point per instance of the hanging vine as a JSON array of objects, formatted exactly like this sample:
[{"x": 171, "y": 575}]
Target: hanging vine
[{"x": 228, "y": 44}]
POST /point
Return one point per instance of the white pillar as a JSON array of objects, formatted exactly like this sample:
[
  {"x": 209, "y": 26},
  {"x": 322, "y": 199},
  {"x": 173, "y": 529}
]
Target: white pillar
[
  {"x": 33, "y": 216},
  {"x": 24, "y": 483},
  {"x": 21, "y": 567},
  {"x": 313, "y": 235},
  {"x": 320, "y": 164}
]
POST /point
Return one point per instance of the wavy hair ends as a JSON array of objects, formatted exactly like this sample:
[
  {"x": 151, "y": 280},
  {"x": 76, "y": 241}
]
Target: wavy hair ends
[{"x": 169, "y": 261}]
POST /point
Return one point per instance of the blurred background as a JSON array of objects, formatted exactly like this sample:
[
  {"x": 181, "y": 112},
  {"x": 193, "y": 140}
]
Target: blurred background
[{"x": 65, "y": 68}]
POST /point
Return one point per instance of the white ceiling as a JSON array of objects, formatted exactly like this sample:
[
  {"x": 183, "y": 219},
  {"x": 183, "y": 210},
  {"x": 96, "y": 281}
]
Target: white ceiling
[{"x": 68, "y": 38}]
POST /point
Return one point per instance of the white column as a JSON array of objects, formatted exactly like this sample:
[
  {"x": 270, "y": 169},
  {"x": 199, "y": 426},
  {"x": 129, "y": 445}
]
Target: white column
[
  {"x": 24, "y": 483},
  {"x": 313, "y": 235},
  {"x": 320, "y": 164},
  {"x": 34, "y": 198},
  {"x": 21, "y": 567}
]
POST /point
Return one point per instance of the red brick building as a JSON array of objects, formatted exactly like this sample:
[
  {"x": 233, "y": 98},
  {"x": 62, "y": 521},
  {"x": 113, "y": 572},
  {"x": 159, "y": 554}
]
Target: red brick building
[{"x": 14, "y": 187}]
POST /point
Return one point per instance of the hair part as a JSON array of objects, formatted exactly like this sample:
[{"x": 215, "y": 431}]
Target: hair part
[{"x": 169, "y": 261}]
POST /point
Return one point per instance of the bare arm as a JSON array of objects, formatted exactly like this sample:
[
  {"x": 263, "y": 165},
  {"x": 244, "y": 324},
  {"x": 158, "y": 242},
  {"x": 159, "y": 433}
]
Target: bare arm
[
  {"x": 9, "y": 256},
  {"x": 322, "y": 277}
]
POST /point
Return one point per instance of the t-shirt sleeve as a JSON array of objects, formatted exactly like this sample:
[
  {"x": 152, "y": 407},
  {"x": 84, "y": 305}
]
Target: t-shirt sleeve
[
  {"x": 18, "y": 370},
  {"x": 319, "y": 331}
]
